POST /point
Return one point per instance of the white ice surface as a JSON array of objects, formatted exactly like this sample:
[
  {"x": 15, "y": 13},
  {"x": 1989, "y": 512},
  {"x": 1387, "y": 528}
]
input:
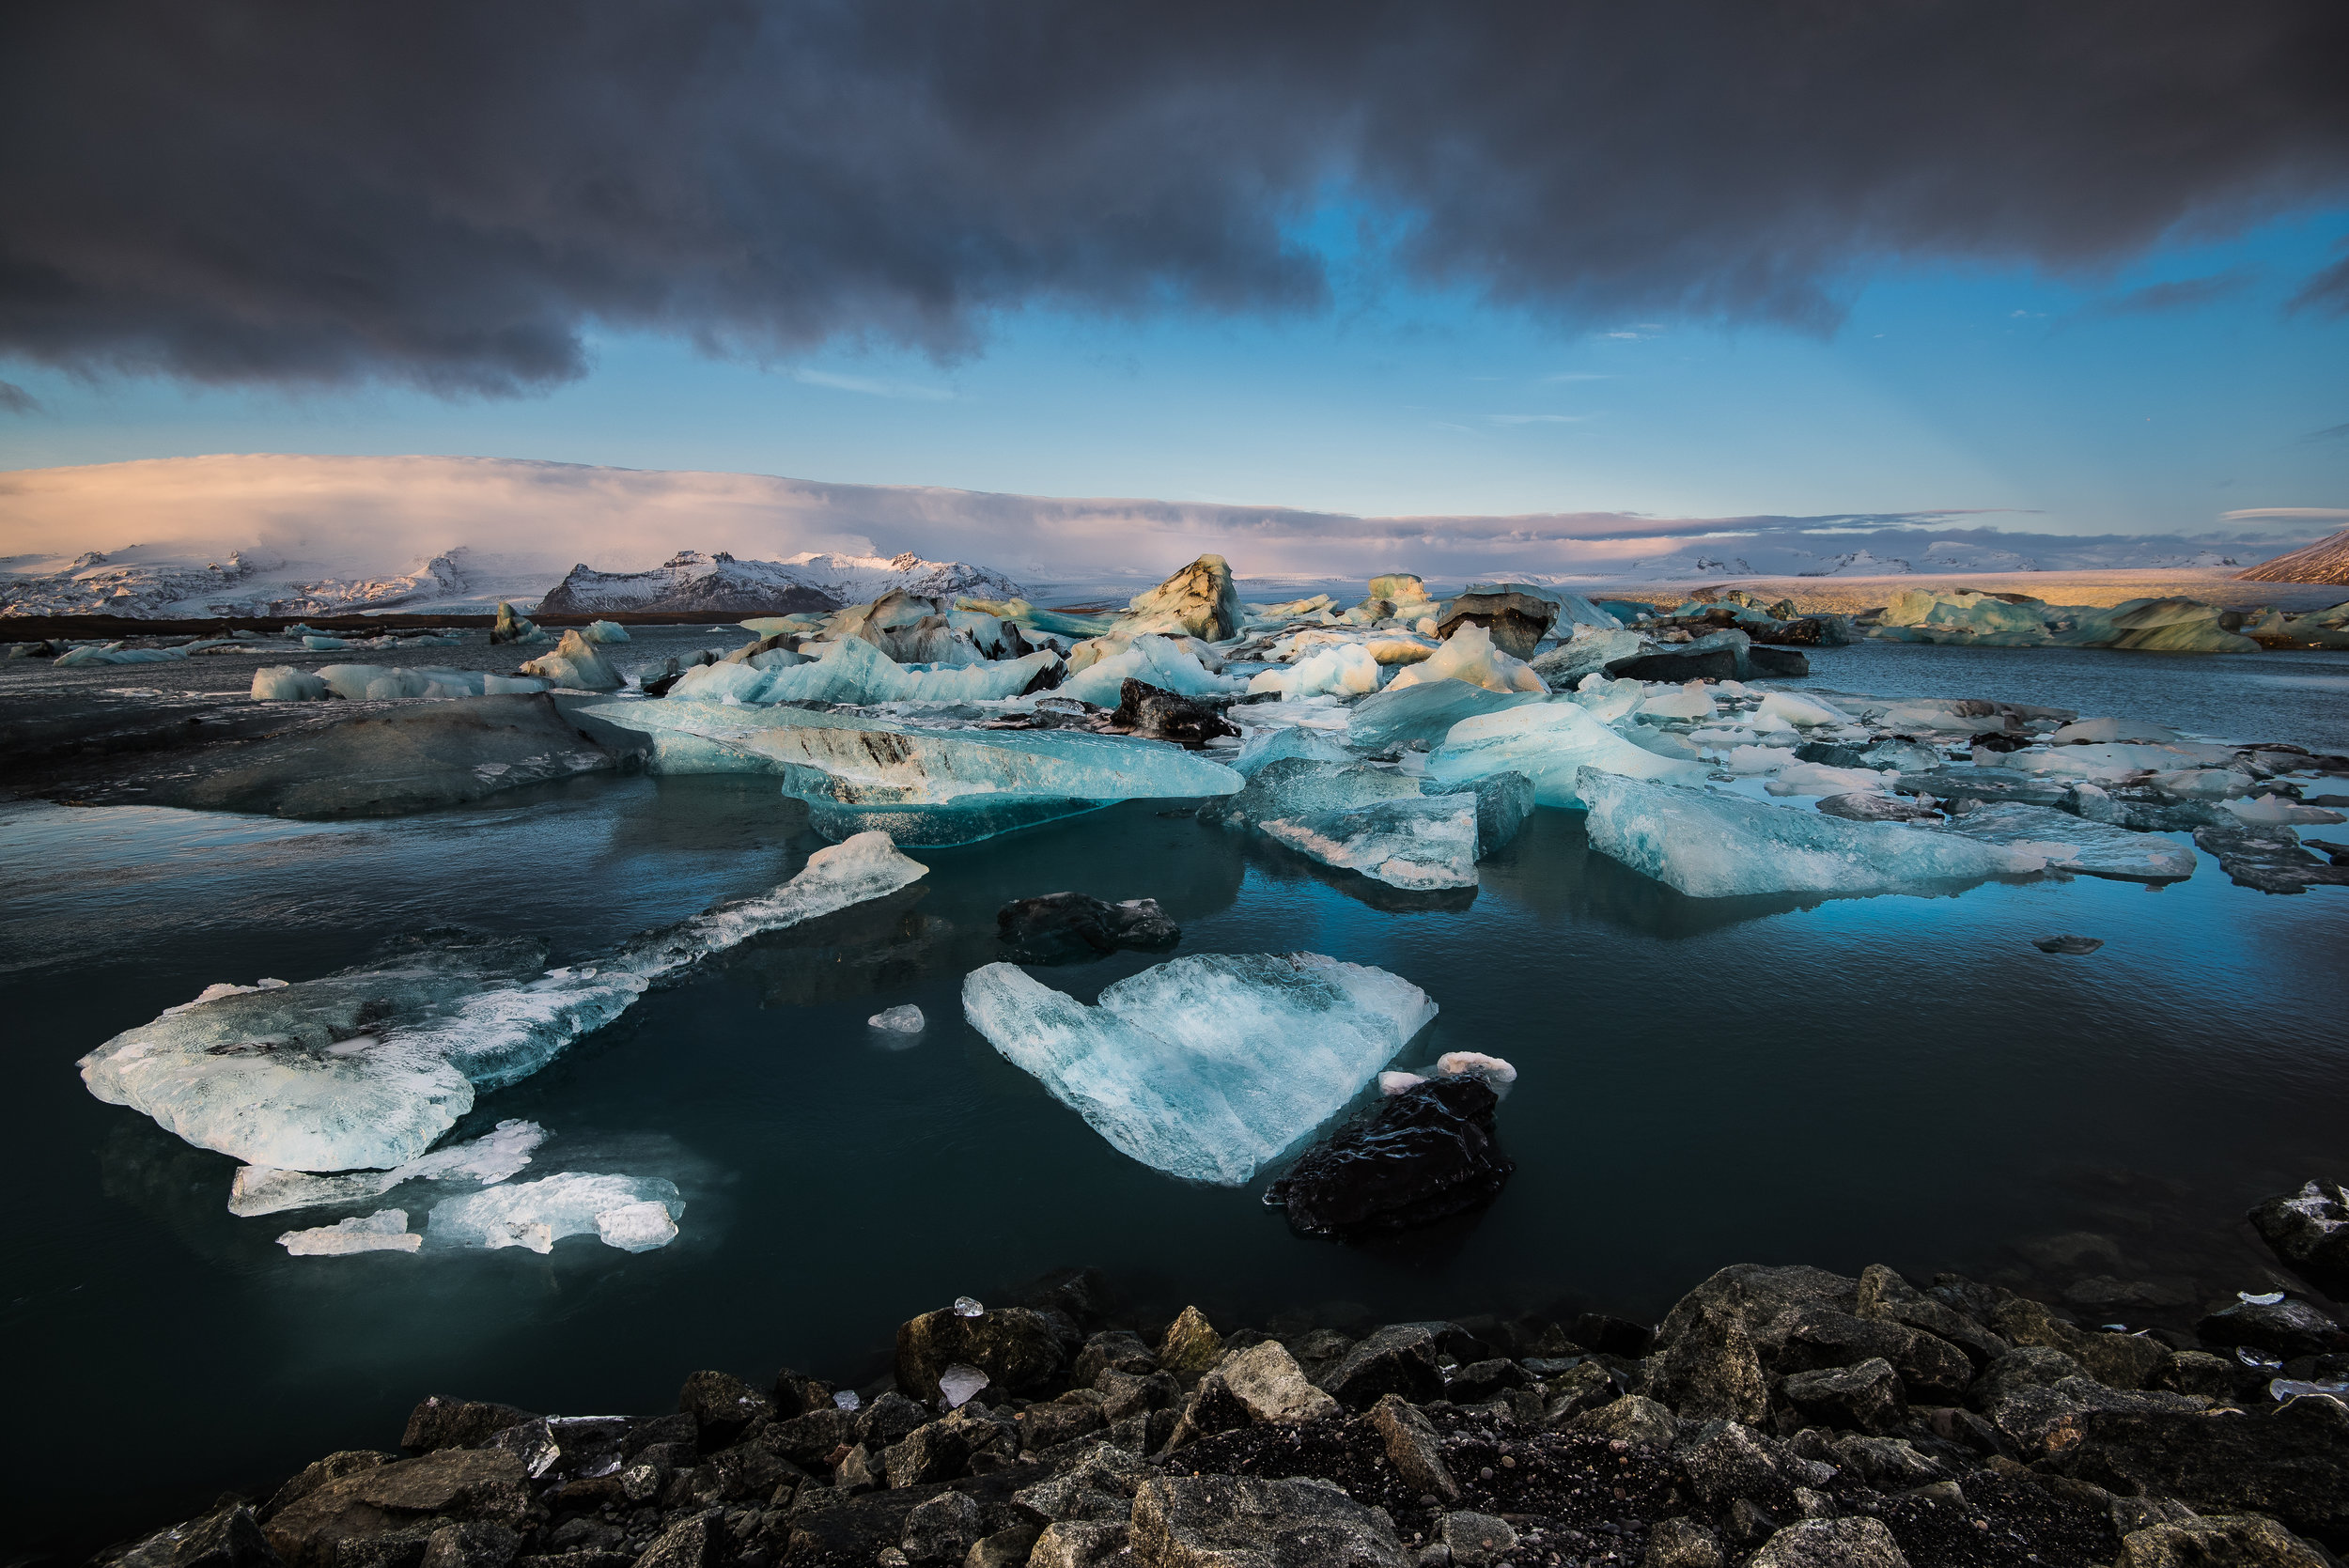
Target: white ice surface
[
  {"x": 1158, "y": 660},
  {"x": 486, "y": 1161},
  {"x": 384, "y": 1230},
  {"x": 1468, "y": 654},
  {"x": 536, "y": 1215},
  {"x": 1420, "y": 843},
  {"x": 852, "y": 671},
  {"x": 1206, "y": 1066},
  {"x": 1549, "y": 743}
]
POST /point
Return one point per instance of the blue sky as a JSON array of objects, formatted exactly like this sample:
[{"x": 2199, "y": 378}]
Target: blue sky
[{"x": 2156, "y": 398}]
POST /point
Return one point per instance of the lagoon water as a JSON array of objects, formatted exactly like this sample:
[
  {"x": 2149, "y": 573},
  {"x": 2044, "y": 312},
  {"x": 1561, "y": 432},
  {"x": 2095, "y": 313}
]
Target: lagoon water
[{"x": 1899, "y": 1079}]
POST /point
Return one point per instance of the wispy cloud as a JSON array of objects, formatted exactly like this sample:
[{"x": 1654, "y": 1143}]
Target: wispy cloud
[
  {"x": 872, "y": 386},
  {"x": 1538, "y": 418},
  {"x": 1578, "y": 375},
  {"x": 15, "y": 399},
  {"x": 2178, "y": 294},
  {"x": 2330, "y": 432},
  {"x": 2264, "y": 514}
]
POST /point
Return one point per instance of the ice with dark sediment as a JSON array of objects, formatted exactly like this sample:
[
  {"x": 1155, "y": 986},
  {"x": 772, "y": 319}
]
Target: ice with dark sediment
[
  {"x": 1712, "y": 845},
  {"x": 364, "y": 1069},
  {"x": 2076, "y": 843},
  {"x": 1206, "y": 1066}
]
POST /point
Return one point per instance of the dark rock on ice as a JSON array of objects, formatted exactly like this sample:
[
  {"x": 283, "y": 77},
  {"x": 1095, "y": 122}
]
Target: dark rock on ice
[
  {"x": 1829, "y": 754},
  {"x": 1516, "y": 622},
  {"x": 2073, "y": 947},
  {"x": 2308, "y": 1233},
  {"x": 1420, "y": 1157},
  {"x": 1868, "y": 806},
  {"x": 1162, "y": 715},
  {"x": 1059, "y": 927},
  {"x": 2268, "y": 859},
  {"x": 1677, "y": 666}
]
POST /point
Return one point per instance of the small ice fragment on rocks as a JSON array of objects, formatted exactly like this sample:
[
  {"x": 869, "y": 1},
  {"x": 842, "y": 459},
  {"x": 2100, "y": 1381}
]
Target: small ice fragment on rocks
[
  {"x": 1475, "y": 1064},
  {"x": 2286, "y": 1388},
  {"x": 1395, "y": 1083},
  {"x": 2071, "y": 947},
  {"x": 958, "y": 1383},
  {"x": 2268, "y": 1299},
  {"x": 384, "y": 1230},
  {"x": 847, "y": 1399},
  {"x": 2251, "y": 1357},
  {"x": 907, "y": 1020},
  {"x": 966, "y": 1306}
]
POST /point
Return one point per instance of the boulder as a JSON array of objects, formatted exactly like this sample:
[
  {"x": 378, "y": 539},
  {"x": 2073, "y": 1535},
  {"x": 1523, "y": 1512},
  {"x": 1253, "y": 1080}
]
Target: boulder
[
  {"x": 228, "y": 1537},
  {"x": 456, "y": 1423},
  {"x": 2116, "y": 1360},
  {"x": 697, "y": 1541},
  {"x": 2285, "y": 1329},
  {"x": 450, "y": 1483},
  {"x": 941, "y": 1529},
  {"x": 1420, "y": 1157},
  {"x": 1585, "y": 1386},
  {"x": 723, "y": 1407},
  {"x": 1888, "y": 1464},
  {"x": 1681, "y": 1544},
  {"x": 890, "y": 1418},
  {"x": 943, "y": 1448},
  {"x": 1113, "y": 1350},
  {"x": 1516, "y": 622},
  {"x": 1479, "y": 1381},
  {"x": 1868, "y": 1396},
  {"x": 2286, "y": 1462},
  {"x": 1632, "y": 1419},
  {"x": 1218, "y": 1521},
  {"x": 2308, "y": 1233},
  {"x": 1097, "y": 1487},
  {"x": 1063, "y": 927},
  {"x": 1476, "y": 1540},
  {"x": 1727, "y": 1459},
  {"x": 1190, "y": 1347},
  {"x": 1412, "y": 1447},
  {"x": 1266, "y": 1381},
  {"x": 1831, "y": 1544},
  {"x": 471, "y": 1544},
  {"x": 2222, "y": 1541},
  {"x": 1884, "y": 1296},
  {"x": 1400, "y": 1358},
  {"x": 2050, "y": 1417},
  {"x": 1018, "y": 1348},
  {"x": 810, "y": 1441},
  {"x": 1162, "y": 715}
]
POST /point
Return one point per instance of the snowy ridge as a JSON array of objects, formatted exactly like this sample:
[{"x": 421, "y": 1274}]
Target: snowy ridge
[
  {"x": 720, "y": 584},
  {"x": 149, "y": 585},
  {"x": 2326, "y": 561}
]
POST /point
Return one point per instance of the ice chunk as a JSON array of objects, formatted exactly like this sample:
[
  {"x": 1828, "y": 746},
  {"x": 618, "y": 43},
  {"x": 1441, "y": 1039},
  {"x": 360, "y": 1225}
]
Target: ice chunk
[
  {"x": 966, "y": 1306},
  {"x": 923, "y": 785},
  {"x": 485, "y": 1161},
  {"x": 1349, "y": 669},
  {"x": 576, "y": 664},
  {"x": 1468, "y": 654},
  {"x": 1263, "y": 747},
  {"x": 1458, "y": 1063},
  {"x": 1549, "y": 743},
  {"x": 282, "y": 683},
  {"x": 1205, "y": 1066},
  {"x": 1814, "y": 778},
  {"x": 1420, "y": 843},
  {"x": 1155, "y": 661},
  {"x": 1715, "y": 845},
  {"x": 959, "y": 1384},
  {"x": 1504, "y": 801},
  {"x": 2199, "y": 783},
  {"x": 1590, "y": 651},
  {"x": 1199, "y": 599},
  {"x": 852, "y": 671},
  {"x": 1395, "y": 1083},
  {"x": 2270, "y": 811},
  {"x": 603, "y": 631},
  {"x": 2155, "y": 625},
  {"x": 2106, "y": 730},
  {"x": 538, "y": 1214},
  {"x": 1803, "y": 711},
  {"x": 384, "y": 1230},
  {"x": 1691, "y": 701},
  {"x": 379, "y": 682},
  {"x": 364, "y": 1068},
  {"x": 1962, "y": 615},
  {"x": 904, "y": 1019},
  {"x": 2113, "y": 761},
  {"x": 2076, "y": 843},
  {"x": 1424, "y": 712},
  {"x": 1299, "y": 787},
  {"x": 75, "y": 657}
]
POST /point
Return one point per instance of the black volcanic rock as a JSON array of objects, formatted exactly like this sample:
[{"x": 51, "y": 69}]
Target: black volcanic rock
[
  {"x": 1424, "y": 1155},
  {"x": 1162, "y": 715},
  {"x": 1061, "y": 927},
  {"x": 2309, "y": 1231}
]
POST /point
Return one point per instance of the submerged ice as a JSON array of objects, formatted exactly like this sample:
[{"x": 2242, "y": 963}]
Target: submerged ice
[
  {"x": 364, "y": 1068},
  {"x": 634, "y": 1214},
  {"x": 1205, "y": 1066}
]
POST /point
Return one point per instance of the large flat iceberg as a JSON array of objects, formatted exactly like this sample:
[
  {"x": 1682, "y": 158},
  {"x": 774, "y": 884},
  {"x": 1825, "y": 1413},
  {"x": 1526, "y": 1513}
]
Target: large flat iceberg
[
  {"x": 852, "y": 671},
  {"x": 364, "y": 1068},
  {"x": 2077, "y": 844},
  {"x": 1714, "y": 845},
  {"x": 1206, "y": 1066},
  {"x": 1550, "y": 743}
]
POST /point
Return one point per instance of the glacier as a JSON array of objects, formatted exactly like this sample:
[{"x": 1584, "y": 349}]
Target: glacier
[
  {"x": 1205, "y": 1066},
  {"x": 364, "y": 1069},
  {"x": 1715, "y": 845}
]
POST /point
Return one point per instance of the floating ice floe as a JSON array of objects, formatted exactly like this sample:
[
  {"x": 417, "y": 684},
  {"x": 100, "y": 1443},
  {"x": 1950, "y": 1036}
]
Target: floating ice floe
[
  {"x": 258, "y": 1190},
  {"x": 2076, "y": 843},
  {"x": 852, "y": 671},
  {"x": 1550, "y": 743},
  {"x": 377, "y": 682},
  {"x": 1818, "y": 778},
  {"x": 2109, "y": 761},
  {"x": 2271, "y": 811},
  {"x": 1716, "y": 845},
  {"x": 364, "y": 1068},
  {"x": 1475, "y": 1064},
  {"x": 634, "y": 1214},
  {"x": 1424, "y": 710},
  {"x": 1468, "y": 654},
  {"x": 384, "y": 1230},
  {"x": 904, "y": 1019},
  {"x": 2103, "y": 731},
  {"x": 924, "y": 786},
  {"x": 576, "y": 664},
  {"x": 1263, "y": 747},
  {"x": 1205, "y": 1066},
  {"x": 1422, "y": 844}
]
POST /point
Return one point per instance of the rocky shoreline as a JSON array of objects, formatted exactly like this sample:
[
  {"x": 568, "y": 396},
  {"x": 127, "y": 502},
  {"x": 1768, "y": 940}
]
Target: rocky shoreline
[{"x": 1780, "y": 1417}]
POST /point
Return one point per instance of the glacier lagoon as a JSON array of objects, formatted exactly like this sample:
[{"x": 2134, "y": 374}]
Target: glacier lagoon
[{"x": 1922, "y": 1085}]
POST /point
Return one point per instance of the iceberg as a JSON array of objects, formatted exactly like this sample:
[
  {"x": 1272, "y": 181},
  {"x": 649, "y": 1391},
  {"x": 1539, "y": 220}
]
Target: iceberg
[
  {"x": 576, "y": 664},
  {"x": 1198, "y": 599},
  {"x": 1423, "y": 711},
  {"x": 2155, "y": 626},
  {"x": 1164, "y": 662},
  {"x": 384, "y": 1230},
  {"x": 2077, "y": 844},
  {"x": 2101, "y": 762},
  {"x": 74, "y": 657},
  {"x": 364, "y": 1069},
  {"x": 379, "y": 682},
  {"x": 1815, "y": 777},
  {"x": 282, "y": 683},
  {"x": 2087, "y": 731},
  {"x": 924, "y": 786},
  {"x": 2272, "y": 811},
  {"x": 1690, "y": 701},
  {"x": 1468, "y": 654},
  {"x": 1805, "y": 712},
  {"x": 1264, "y": 747},
  {"x": 1962, "y": 615},
  {"x": 853, "y": 671},
  {"x": 1301, "y": 786},
  {"x": 1424, "y": 843},
  {"x": 1715, "y": 845},
  {"x": 1349, "y": 669},
  {"x": 1206, "y": 1066},
  {"x": 1552, "y": 744},
  {"x": 257, "y": 1190},
  {"x": 535, "y": 1214}
]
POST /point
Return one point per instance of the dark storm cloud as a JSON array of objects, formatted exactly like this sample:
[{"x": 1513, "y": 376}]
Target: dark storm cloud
[{"x": 456, "y": 194}]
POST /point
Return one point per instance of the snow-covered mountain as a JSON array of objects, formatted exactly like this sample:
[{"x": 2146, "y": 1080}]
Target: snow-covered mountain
[
  {"x": 156, "y": 586},
  {"x": 718, "y": 584},
  {"x": 1858, "y": 563},
  {"x": 2326, "y": 561}
]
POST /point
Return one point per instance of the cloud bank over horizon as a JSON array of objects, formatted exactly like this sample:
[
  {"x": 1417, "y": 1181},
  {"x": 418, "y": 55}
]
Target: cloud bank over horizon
[
  {"x": 461, "y": 197},
  {"x": 527, "y": 522}
]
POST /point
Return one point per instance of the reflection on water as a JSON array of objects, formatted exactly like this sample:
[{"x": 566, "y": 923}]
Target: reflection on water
[{"x": 1899, "y": 1079}]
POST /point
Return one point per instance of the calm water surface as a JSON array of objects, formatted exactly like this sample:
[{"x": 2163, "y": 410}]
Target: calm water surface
[{"x": 1901, "y": 1079}]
